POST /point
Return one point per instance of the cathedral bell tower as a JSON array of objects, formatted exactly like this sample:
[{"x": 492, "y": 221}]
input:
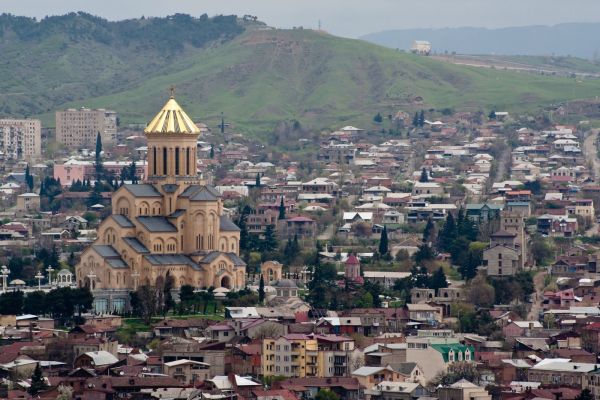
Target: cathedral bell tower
[{"x": 172, "y": 146}]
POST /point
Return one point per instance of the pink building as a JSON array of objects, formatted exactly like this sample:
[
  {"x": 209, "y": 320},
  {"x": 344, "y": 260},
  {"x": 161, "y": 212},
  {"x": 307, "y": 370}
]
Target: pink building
[
  {"x": 74, "y": 170},
  {"x": 352, "y": 269}
]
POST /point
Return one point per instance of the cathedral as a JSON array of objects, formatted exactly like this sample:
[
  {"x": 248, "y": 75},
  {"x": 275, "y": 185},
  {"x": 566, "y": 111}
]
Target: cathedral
[{"x": 173, "y": 223}]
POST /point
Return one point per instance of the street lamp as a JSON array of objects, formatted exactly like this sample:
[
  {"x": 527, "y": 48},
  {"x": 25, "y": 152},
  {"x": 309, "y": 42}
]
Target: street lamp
[
  {"x": 49, "y": 270},
  {"x": 39, "y": 277},
  {"x": 4, "y": 274}
]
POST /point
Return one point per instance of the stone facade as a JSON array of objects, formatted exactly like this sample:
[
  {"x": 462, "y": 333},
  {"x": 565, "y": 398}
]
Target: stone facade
[{"x": 171, "y": 224}]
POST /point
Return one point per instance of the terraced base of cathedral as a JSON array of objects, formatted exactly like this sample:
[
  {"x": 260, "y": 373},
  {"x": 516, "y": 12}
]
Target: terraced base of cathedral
[{"x": 172, "y": 223}]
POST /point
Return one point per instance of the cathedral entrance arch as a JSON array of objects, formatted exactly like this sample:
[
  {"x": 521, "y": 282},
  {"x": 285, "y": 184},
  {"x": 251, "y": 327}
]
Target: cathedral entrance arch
[{"x": 226, "y": 282}]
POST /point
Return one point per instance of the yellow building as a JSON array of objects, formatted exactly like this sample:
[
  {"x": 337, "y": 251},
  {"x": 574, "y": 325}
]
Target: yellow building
[
  {"x": 172, "y": 223},
  {"x": 293, "y": 355}
]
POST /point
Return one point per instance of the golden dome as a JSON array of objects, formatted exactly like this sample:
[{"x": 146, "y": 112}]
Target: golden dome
[{"x": 172, "y": 119}]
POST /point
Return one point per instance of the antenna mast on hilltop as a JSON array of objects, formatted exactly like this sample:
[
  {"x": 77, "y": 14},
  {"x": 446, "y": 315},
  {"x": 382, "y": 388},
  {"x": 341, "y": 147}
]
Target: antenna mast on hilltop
[{"x": 319, "y": 24}]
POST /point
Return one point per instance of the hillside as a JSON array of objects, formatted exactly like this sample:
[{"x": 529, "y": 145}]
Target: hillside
[
  {"x": 77, "y": 56},
  {"x": 259, "y": 77},
  {"x": 574, "y": 39}
]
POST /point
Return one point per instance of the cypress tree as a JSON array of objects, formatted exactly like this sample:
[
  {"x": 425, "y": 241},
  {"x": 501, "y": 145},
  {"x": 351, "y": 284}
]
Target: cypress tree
[
  {"x": 422, "y": 119},
  {"x": 424, "y": 176},
  {"x": 261, "y": 289},
  {"x": 98, "y": 164},
  {"x": 447, "y": 234},
  {"x": 383, "y": 242},
  {"x": 38, "y": 383},
  {"x": 428, "y": 231},
  {"x": 282, "y": 209}
]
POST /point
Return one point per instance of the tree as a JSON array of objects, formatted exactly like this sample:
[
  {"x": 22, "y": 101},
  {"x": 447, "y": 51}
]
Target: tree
[
  {"x": 424, "y": 253},
  {"x": 269, "y": 243},
  {"x": 144, "y": 302},
  {"x": 326, "y": 394},
  {"x": 28, "y": 178},
  {"x": 585, "y": 394},
  {"x": 186, "y": 294},
  {"x": 98, "y": 164},
  {"x": 64, "y": 392},
  {"x": 82, "y": 299},
  {"x": 11, "y": 303},
  {"x": 428, "y": 231},
  {"x": 438, "y": 280},
  {"x": 448, "y": 233},
  {"x": 261, "y": 289},
  {"x": 257, "y": 183},
  {"x": 542, "y": 250},
  {"x": 38, "y": 383},
  {"x": 383, "y": 242},
  {"x": 132, "y": 173},
  {"x": 212, "y": 151},
  {"x": 422, "y": 118},
  {"x": 378, "y": 118},
  {"x": 35, "y": 303},
  {"x": 168, "y": 301},
  {"x": 415, "y": 121},
  {"x": 492, "y": 115},
  {"x": 457, "y": 371},
  {"x": 282, "y": 209},
  {"x": 424, "y": 177},
  {"x": 481, "y": 293}
]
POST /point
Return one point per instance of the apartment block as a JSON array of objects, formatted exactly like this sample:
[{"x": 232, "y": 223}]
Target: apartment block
[
  {"x": 20, "y": 139},
  {"x": 300, "y": 356},
  {"x": 79, "y": 127}
]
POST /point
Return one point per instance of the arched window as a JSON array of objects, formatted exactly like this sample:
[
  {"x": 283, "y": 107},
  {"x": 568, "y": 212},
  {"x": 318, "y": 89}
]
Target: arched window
[
  {"x": 176, "y": 160},
  {"x": 154, "y": 160},
  {"x": 187, "y": 159},
  {"x": 164, "y": 161}
]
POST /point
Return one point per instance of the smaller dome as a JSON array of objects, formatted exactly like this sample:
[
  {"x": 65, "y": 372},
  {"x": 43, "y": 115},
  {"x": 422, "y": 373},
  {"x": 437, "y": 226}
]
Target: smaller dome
[
  {"x": 65, "y": 272},
  {"x": 17, "y": 282},
  {"x": 286, "y": 283}
]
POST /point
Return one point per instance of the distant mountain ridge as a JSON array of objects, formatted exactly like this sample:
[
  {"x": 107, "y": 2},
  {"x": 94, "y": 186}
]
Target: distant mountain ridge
[
  {"x": 257, "y": 76},
  {"x": 574, "y": 39}
]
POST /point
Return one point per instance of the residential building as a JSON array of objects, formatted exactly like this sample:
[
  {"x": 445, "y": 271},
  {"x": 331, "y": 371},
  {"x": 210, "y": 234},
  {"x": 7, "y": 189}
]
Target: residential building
[
  {"x": 28, "y": 202},
  {"x": 463, "y": 390},
  {"x": 79, "y": 127},
  {"x": 20, "y": 139},
  {"x": 300, "y": 227},
  {"x": 292, "y": 355},
  {"x": 503, "y": 257},
  {"x": 561, "y": 372},
  {"x": 187, "y": 371}
]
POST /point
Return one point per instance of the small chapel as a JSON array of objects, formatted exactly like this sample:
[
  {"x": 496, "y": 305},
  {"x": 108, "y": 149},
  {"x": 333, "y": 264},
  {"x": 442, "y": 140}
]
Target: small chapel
[{"x": 172, "y": 223}]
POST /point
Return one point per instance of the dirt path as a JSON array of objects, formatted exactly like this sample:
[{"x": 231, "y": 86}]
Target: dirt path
[{"x": 538, "y": 296}]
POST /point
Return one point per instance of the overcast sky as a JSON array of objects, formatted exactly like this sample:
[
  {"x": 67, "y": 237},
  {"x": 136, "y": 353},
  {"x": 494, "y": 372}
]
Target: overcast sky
[{"x": 351, "y": 18}]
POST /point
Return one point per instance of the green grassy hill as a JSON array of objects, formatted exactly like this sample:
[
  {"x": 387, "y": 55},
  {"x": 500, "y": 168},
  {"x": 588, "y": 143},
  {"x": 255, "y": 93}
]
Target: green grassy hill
[{"x": 262, "y": 76}]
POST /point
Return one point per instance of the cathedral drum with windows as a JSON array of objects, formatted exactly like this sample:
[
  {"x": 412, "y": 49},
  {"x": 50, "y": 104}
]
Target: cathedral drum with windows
[{"x": 173, "y": 222}]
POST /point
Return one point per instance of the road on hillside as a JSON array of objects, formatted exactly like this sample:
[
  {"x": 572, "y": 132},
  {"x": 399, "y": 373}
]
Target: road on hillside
[
  {"x": 538, "y": 296},
  {"x": 590, "y": 151},
  {"x": 503, "y": 164}
]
